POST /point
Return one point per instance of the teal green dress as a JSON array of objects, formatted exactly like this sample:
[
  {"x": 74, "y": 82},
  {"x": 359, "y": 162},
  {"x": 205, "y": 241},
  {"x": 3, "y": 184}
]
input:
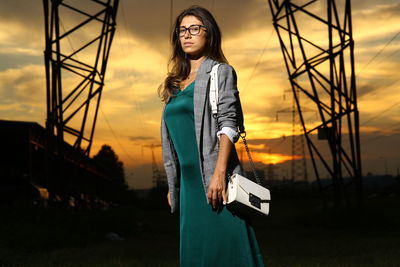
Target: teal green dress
[{"x": 207, "y": 238}]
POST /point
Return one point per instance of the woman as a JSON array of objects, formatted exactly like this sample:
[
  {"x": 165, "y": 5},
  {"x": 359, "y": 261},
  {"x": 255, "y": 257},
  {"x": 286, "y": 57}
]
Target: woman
[{"x": 198, "y": 150}]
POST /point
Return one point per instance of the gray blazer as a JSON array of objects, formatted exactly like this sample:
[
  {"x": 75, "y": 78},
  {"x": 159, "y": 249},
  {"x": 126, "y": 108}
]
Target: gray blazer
[{"x": 229, "y": 115}]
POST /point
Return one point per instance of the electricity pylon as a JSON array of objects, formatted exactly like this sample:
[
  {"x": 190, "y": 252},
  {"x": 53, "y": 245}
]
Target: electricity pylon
[
  {"x": 321, "y": 67},
  {"x": 76, "y": 60},
  {"x": 158, "y": 179},
  {"x": 298, "y": 166}
]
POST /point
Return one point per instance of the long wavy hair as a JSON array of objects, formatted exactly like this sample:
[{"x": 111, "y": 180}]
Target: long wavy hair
[{"x": 179, "y": 63}]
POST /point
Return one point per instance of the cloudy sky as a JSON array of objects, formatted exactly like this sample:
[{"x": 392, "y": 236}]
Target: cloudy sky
[{"x": 129, "y": 118}]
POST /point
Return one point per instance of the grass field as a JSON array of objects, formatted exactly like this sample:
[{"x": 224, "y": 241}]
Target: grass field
[{"x": 297, "y": 233}]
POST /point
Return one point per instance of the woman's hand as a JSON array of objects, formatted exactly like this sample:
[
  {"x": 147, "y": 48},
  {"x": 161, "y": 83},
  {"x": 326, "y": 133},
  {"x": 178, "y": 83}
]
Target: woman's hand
[
  {"x": 216, "y": 190},
  {"x": 169, "y": 199}
]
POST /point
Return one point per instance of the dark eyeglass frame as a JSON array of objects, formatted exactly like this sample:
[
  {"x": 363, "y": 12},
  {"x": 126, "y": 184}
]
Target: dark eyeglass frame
[{"x": 190, "y": 29}]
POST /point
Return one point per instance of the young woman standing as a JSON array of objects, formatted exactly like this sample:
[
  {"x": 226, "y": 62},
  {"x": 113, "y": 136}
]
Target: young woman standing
[{"x": 198, "y": 149}]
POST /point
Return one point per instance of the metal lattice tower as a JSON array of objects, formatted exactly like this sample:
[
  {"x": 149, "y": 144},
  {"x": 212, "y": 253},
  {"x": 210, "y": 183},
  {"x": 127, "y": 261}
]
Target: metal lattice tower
[
  {"x": 158, "y": 179},
  {"x": 319, "y": 56},
  {"x": 298, "y": 166},
  {"x": 76, "y": 59}
]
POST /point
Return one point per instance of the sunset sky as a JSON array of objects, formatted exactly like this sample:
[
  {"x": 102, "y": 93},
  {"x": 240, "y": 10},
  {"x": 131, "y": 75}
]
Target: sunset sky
[{"x": 129, "y": 119}]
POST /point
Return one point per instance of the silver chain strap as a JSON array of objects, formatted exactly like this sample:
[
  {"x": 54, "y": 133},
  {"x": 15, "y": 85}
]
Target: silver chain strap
[{"x": 243, "y": 136}]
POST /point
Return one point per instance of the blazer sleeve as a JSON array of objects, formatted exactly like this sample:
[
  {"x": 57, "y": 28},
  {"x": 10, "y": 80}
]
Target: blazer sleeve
[
  {"x": 230, "y": 115},
  {"x": 171, "y": 165}
]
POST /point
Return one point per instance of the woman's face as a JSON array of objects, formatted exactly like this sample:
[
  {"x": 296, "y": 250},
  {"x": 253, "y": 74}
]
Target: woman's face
[{"x": 192, "y": 44}]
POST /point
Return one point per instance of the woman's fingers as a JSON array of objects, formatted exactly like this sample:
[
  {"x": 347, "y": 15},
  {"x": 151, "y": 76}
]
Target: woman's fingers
[
  {"x": 209, "y": 195},
  {"x": 215, "y": 198},
  {"x": 215, "y": 193},
  {"x": 224, "y": 197},
  {"x": 169, "y": 199}
]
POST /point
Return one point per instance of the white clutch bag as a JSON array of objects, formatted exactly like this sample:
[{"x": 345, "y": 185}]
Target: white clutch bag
[{"x": 247, "y": 197}]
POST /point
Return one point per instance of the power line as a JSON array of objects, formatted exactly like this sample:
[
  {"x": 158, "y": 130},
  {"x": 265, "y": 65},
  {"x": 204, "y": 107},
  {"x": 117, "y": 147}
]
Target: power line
[
  {"x": 373, "y": 139},
  {"x": 69, "y": 40},
  {"x": 380, "y": 51},
  {"x": 136, "y": 103},
  {"x": 282, "y": 139},
  {"x": 212, "y": 6},
  {"x": 259, "y": 59},
  {"x": 374, "y": 91},
  {"x": 115, "y": 136},
  {"x": 380, "y": 114},
  {"x": 373, "y": 58},
  {"x": 171, "y": 10},
  {"x": 388, "y": 56}
]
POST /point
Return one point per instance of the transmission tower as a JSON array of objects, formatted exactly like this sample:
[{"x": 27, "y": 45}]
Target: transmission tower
[
  {"x": 158, "y": 179},
  {"x": 322, "y": 68},
  {"x": 75, "y": 75},
  {"x": 298, "y": 166}
]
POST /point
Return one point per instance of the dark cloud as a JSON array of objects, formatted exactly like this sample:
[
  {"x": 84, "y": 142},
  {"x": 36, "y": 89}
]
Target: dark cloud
[
  {"x": 379, "y": 150},
  {"x": 265, "y": 107},
  {"x": 365, "y": 89},
  {"x": 271, "y": 63},
  {"x": 376, "y": 86},
  {"x": 24, "y": 85},
  {"x": 140, "y": 138},
  {"x": 28, "y": 15},
  {"x": 10, "y": 61},
  {"x": 150, "y": 20},
  {"x": 388, "y": 9}
]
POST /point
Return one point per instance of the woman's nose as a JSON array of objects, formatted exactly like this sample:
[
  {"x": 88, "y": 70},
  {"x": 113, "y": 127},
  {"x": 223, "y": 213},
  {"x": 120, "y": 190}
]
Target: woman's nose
[{"x": 187, "y": 34}]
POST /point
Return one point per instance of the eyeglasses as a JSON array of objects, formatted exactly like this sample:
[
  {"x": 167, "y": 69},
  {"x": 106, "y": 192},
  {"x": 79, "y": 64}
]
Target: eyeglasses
[{"x": 193, "y": 30}]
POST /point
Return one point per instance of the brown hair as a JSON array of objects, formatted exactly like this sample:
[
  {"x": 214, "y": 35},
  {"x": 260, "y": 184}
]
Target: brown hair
[{"x": 179, "y": 61}]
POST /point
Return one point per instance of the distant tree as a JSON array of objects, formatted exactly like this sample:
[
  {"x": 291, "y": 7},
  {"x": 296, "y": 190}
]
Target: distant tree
[{"x": 108, "y": 161}]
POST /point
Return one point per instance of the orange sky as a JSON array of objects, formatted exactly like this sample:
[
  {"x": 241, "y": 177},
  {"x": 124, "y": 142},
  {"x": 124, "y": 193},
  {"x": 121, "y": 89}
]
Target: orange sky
[{"x": 129, "y": 118}]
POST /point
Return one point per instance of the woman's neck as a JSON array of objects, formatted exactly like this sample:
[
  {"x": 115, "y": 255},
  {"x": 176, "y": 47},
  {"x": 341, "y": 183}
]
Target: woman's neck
[{"x": 195, "y": 63}]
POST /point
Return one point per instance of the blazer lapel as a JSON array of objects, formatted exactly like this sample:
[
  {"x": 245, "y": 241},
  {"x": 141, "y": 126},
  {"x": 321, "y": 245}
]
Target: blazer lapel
[{"x": 199, "y": 97}]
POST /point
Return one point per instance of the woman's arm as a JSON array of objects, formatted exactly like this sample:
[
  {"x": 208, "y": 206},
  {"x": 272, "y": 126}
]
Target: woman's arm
[
  {"x": 170, "y": 165},
  {"x": 216, "y": 190},
  {"x": 229, "y": 117}
]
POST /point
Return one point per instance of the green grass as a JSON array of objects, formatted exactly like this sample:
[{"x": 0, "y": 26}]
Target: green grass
[{"x": 297, "y": 233}]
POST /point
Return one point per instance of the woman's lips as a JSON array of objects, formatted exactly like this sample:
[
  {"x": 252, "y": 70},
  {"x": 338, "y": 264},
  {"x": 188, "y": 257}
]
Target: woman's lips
[{"x": 187, "y": 44}]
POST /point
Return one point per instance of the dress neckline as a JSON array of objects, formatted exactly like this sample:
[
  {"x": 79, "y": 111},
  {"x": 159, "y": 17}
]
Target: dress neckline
[{"x": 187, "y": 86}]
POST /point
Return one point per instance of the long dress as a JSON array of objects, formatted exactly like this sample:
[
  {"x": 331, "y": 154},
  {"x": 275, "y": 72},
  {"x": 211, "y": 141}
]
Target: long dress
[{"x": 207, "y": 238}]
